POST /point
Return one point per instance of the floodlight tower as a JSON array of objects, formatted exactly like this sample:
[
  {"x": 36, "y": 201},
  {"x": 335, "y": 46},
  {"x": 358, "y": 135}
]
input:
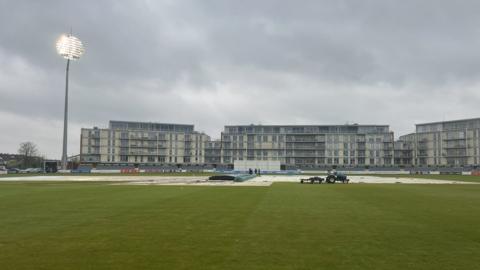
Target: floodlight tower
[{"x": 70, "y": 48}]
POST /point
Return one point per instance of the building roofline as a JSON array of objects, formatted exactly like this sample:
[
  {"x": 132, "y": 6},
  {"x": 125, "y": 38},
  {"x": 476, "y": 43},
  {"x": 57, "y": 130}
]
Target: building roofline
[
  {"x": 349, "y": 125},
  {"x": 408, "y": 134},
  {"x": 147, "y": 122},
  {"x": 449, "y": 121}
]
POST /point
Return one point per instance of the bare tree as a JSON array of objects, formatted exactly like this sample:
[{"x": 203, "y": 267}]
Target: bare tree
[{"x": 28, "y": 150}]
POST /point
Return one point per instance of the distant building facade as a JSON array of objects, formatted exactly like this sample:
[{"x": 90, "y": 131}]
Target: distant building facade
[
  {"x": 212, "y": 152},
  {"x": 309, "y": 146},
  {"x": 143, "y": 143},
  {"x": 449, "y": 143},
  {"x": 404, "y": 150},
  {"x": 438, "y": 144},
  {"x": 3, "y": 164}
]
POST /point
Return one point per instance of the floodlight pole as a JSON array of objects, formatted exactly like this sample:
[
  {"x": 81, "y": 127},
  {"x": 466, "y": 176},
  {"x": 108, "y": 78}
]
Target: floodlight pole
[
  {"x": 70, "y": 48},
  {"x": 65, "y": 120}
]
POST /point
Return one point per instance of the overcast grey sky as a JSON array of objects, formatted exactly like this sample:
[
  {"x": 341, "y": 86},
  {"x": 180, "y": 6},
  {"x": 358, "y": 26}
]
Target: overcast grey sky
[{"x": 212, "y": 63}]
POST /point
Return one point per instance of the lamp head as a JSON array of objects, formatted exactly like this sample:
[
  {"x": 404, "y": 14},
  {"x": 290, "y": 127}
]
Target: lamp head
[{"x": 70, "y": 47}]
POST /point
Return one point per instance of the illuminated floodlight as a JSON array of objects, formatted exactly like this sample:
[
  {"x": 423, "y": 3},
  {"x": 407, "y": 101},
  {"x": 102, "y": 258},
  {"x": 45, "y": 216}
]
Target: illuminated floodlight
[{"x": 70, "y": 47}]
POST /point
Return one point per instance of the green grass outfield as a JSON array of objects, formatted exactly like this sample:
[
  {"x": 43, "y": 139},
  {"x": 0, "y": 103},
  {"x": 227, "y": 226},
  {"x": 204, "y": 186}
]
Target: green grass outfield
[
  {"x": 451, "y": 177},
  {"x": 284, "y": 226}
]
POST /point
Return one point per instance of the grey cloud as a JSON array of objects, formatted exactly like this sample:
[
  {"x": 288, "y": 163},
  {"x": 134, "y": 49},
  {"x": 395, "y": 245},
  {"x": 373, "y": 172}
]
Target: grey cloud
[{"x": 213, "y": 63}]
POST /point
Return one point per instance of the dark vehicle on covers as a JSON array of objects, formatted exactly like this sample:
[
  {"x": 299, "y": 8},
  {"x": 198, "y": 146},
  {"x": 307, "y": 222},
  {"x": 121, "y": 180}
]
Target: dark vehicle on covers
[
  {"x": 337, "y": 177},
  {"x": 312, "y": 180},
  {"x": 13, "y": 170}
]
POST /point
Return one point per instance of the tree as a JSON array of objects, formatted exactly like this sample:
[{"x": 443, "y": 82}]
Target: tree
[{"x": 29, "y": 151}]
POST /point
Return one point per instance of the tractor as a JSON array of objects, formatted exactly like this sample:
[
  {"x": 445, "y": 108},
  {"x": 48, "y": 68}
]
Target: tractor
[{"x": 337, "y": 177}]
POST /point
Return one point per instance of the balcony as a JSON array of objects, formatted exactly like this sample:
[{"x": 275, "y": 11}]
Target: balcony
[
  {"x": 454, "y": 139},
  {"x": 458, "y": 155},
  {"x": 455, "y": 147},
  {"x": 302, "y": 154},
  {"x": 304, "y": 147}
]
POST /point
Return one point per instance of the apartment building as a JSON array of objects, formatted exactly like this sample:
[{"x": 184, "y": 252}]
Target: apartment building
[
  {"x": 142, "y": 143},
  {"x": 438, "y": 144},
  {"x": 213, "y": 152},
  {"x": 448, "y": 143},
  {"x": 309, "y": 146},
  {"x": 2, "y": 164},
  {"x": 404, "y": 154}
]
